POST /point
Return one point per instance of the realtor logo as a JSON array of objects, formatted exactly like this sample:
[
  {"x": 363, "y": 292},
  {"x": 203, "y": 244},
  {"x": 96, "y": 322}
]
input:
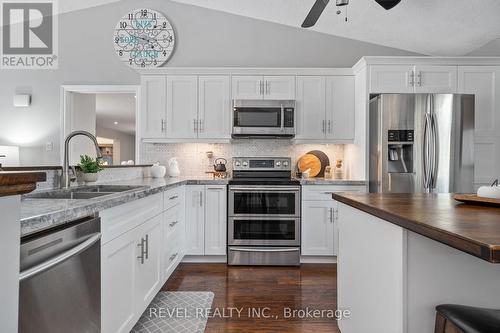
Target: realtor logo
[{"x": 29, "y": 34}]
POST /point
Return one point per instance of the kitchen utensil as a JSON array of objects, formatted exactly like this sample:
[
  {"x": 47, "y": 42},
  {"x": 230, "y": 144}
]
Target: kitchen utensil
[
  {"x": 173, "y": 167},
  {"x": 309, "y": 162},
  {"x": 220, "y": 165}
]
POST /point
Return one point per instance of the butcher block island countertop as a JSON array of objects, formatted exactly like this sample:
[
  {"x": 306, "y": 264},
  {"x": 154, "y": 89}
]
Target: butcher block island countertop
[
  {"x": 469, "y": 228},
  {"x": 12, "y": 183}
]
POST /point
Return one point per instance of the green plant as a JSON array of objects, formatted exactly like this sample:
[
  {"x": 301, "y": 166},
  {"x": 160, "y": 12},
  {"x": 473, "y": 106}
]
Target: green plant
[{"x": 90, "y": 165}]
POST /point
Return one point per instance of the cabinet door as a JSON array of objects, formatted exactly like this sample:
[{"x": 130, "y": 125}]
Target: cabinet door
[
  {"x": 247, "y": 87},
  {"x": 118, "y": 283},
  {"x": 214, "y": 107},
  {"x": 153, "y": 105},
  {"x": 215, "y": 220},
  {"x": 340, "y": 107},
  {"x": 195, "y": 220},
  {"x": 182, "y": 106},
  {"x": 482, "y": 82},
  {"x": 279, "y": 87},
  {"x": 149, "y": 281},
  {"x": 318, "y": 228},
  {"x": 391, "y": 79},
  {"x": 310, "y": 107},
  {"x": 436, "y": 79}
]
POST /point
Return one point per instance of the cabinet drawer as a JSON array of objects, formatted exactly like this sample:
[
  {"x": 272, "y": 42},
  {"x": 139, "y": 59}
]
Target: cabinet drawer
[
  {"x": 173, "y": 220},
  {"x": 172, "y": 254},
  {"x": 324, "y": 192},
  {"x": 118, "y": 220},
  {"x": 172, "y": 197}
]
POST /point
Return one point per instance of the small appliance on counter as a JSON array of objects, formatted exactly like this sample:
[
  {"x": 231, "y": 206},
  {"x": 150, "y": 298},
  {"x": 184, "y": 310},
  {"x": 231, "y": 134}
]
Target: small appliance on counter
[
  {"x": 158, "y": 171},
  {"x": 263, "y": 212},
  {"x": 220, "y": 165},
  {"x": 173, "y": 167}
]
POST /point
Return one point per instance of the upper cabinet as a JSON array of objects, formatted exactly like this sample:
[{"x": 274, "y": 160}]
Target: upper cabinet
[
  {"x": 325, "y": 108},
  {"x": 178, "y": 108},
  {"x": 281, "y": 87},
  {"x": 413, "y": 79}
]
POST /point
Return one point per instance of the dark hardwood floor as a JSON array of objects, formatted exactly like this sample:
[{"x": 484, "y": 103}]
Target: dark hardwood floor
[{"x": 275, "y": 288}]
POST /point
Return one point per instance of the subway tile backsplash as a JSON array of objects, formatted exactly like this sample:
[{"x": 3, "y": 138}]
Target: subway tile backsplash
[{"x": 193, "y": 160}]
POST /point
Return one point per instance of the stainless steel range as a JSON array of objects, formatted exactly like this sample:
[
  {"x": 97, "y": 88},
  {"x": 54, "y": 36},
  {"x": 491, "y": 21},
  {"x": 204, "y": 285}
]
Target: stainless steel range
[{"x": 263, "y": 212}]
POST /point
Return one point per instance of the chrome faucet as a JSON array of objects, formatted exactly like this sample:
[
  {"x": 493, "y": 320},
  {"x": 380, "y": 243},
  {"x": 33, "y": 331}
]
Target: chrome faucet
[{"x": 65, "y": 177}]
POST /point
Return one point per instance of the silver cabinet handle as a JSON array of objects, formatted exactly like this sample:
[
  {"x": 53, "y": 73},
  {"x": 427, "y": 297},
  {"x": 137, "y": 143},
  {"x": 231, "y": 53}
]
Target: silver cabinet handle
[
  {"x": 173, "y": 223},
  {"x": 201, "y": 126},
  {"x": 268, "y": 88},
  {"x": 172, "y": 257},
  {"x": 336, "y": 216},
  {"x": 147, "y": 245},
  {"x": 419, "y": 78},
  {"x": 163, "y": 125},
  {"x": 261, "y": 87},
  {"x": 201, "y": 199},
  {"x": 329, "y": 126},
  {"x": 173, "y": 197},
  {"x": 330, "y": 218},
  {"x": 412, "y": 78},
  {"x": 195, "y": 126},
  {"x": 143, "y": 253},
  {"x": 60, "y": 258}
]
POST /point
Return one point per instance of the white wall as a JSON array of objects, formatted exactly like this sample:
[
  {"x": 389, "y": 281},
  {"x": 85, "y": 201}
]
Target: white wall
[
  {"x": 205, "y": 38},
  {"x": 82, "y": 118}
]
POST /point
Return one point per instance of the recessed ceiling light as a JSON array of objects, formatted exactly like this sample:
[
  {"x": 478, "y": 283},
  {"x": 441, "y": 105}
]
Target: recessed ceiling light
[{"x": 116, "y": 123}]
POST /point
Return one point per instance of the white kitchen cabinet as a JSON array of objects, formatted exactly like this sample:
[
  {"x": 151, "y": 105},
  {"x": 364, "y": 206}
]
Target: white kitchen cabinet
[
  {"x": 195, "y": 220},
  {"x": 153, "y": 106},
  {"x": 149, "y": 275},
  {"x": 118, "y": 283},
  {"x": 182, "y": 107},
  {"x": 215, "y": 219},
  {"x": 206, "y": 219},
  {"x": 391, "y": 79},
  {"x": 173, "y": 239},
  {"x": 435, "y": 79},
  {"x": 318, "y": 218},
  {"x": 325, "y": 108},
  {"x": 263, "y": 87},
  {"x": 310, "y": 107},
  {"x": 483, "y": 81},
  {"x": 413, "y": 79},
  {"x": 340, "y": 107},
  {"x": 214, "y": 107}
]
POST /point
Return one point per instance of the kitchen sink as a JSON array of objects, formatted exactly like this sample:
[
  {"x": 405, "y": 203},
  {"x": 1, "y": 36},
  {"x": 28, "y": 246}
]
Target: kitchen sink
[{"x": 84, "y": 192}]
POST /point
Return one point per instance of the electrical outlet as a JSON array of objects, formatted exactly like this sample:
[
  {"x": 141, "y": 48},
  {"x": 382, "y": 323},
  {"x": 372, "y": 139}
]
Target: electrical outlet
[{"x": 49, "y": 146}]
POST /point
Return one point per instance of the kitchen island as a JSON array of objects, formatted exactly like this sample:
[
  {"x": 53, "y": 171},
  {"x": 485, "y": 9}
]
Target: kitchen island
[{"x": 400, "y": 255}]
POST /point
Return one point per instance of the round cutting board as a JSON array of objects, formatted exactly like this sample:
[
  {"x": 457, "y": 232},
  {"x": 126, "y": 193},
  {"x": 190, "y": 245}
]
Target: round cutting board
[
  {"x": 309, "y": 161},
  {"x": 316, "y": 160}
]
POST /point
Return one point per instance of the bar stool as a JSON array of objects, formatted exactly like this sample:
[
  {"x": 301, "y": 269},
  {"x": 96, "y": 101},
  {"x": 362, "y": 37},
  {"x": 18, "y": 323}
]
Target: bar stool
[{"x": 453, "y": 318}]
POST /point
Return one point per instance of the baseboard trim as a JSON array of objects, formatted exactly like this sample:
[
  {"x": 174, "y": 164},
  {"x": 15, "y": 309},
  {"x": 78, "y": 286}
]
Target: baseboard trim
[
  {"x": 204, "y": 259},
  {"x": 318, "y": 259}
]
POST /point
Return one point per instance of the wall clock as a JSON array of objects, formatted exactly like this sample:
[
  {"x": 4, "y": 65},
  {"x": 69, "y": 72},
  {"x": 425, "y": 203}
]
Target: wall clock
[{"x": 144, "y": 38}]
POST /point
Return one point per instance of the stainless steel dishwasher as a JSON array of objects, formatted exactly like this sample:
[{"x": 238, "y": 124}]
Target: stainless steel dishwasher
[{"x": 60, "y": 279}]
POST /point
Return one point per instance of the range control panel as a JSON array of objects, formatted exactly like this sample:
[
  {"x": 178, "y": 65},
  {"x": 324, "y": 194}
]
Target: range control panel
[
  {"x": 400, "y": 136},
  {"x": 262, "y": 163}
]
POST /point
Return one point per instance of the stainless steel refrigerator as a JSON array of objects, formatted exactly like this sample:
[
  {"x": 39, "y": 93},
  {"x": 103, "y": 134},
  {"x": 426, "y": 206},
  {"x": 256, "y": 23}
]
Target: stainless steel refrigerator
[{"x": 421, "y": 143}]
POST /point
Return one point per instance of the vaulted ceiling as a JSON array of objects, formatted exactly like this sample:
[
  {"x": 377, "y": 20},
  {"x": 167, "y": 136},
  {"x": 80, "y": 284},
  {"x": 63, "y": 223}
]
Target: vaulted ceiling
[{"x": 432, "y": 27}]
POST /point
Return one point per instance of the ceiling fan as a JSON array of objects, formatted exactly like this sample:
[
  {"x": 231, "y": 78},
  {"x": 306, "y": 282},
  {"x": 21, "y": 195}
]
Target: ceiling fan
[{"x": 320, "y": 5}]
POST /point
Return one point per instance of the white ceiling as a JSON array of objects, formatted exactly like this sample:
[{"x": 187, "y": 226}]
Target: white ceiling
[
  {"x": 432, "y": 27},
  {"x": 119, "y": 107}
]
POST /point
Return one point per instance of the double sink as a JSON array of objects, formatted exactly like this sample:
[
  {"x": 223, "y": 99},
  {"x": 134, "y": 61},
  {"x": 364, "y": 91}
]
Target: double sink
[{"x": 84, "y": 192}]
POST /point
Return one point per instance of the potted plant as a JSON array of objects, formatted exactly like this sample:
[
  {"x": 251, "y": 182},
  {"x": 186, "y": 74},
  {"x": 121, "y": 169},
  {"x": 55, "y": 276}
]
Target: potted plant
[{"x": 90, "y": 167}]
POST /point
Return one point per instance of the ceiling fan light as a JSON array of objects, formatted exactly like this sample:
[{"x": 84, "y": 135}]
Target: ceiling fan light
[{"x": 342, "y": 2}]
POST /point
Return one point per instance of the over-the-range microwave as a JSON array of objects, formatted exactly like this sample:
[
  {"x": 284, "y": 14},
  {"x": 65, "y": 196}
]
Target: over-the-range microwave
[{"x": 263, "y": 119}]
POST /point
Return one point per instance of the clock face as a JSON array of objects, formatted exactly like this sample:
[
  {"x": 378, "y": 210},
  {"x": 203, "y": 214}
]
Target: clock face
[{"x": 144, "y": 38}]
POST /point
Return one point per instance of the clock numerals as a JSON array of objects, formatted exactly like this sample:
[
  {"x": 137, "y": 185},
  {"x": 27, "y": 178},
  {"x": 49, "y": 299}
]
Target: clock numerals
[{"x": 123, "y": 25}]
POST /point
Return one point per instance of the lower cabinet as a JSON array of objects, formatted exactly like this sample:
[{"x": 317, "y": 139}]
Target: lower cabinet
[
  {"x": 131, "y": 275},
  {"x": 206, "y": 221},
  {"x": 319, "y": 225}
]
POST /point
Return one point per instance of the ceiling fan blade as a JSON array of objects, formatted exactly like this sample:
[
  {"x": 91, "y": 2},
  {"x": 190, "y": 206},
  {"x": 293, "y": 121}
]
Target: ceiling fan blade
[
  {"x": 388, "y": 4},
  {"x": 314, "y": 13}
]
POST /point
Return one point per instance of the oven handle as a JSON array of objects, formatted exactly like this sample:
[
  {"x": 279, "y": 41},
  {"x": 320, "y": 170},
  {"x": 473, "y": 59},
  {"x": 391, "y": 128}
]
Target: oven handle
[
  {"x": 263, "y": 189},
  {"x": 244, "y": 249}
]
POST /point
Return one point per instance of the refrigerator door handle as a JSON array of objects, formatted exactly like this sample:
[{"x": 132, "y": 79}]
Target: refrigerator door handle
[
  {"x": 426, "y": 151},
  {"x": 435, "y": 149}
]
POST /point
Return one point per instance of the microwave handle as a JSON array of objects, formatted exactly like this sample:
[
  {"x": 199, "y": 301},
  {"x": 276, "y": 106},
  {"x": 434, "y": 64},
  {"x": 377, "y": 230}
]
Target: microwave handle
[{"x": 282, "y": 118}]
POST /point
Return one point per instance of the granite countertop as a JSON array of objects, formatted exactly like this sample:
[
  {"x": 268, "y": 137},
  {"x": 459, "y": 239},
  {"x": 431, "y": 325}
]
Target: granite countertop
[
  {"x": 42, "y": 214},
  {"x": 15, "y": 183},
  {"x": 472, "y": 229},
  {"x": 324, "y": 181}
]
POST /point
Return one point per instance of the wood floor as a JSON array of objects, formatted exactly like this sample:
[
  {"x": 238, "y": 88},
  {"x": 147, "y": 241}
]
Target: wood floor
[{"x": 275, "y": 288}]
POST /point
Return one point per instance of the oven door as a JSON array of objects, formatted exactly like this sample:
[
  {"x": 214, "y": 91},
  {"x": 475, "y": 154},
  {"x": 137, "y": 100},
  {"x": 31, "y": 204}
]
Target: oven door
[
  {"x": 264, "y": 231},
  {"x": 269, "y": 201}
]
